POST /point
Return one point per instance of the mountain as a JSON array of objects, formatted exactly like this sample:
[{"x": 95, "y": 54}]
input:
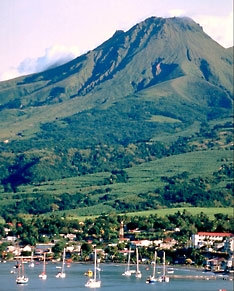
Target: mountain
[
  {"x": 156, "y": 60},
  {"x": 124, "y": 103}
]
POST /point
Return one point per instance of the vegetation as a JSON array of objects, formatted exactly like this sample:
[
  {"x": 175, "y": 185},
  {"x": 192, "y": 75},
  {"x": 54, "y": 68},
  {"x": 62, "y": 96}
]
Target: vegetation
[
  {"x": 106, "y": 227},
  {"x": 123, "y": 128},
  {"x": 135, "y": 177}
]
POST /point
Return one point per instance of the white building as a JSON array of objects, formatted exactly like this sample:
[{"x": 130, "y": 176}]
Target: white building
[
  {"x": 201, "y": 239},
  {"x": 142, "y": 243}
]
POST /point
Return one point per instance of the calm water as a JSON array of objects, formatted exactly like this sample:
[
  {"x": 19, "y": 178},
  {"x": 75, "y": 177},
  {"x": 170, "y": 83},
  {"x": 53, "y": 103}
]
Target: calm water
[{"x": 111, "y": 279}]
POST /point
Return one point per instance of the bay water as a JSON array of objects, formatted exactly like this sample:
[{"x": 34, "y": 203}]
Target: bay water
[{"x": 111, "y": 277}]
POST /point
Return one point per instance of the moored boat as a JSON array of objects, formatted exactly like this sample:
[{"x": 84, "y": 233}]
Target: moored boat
[
  {"x": 21, "y": 278},
  {"x": 138, "y": 272},
  {"x": 62, "y": 274},
  {"x": 152, "y": 279},
  {"x": 43, "y": 275},
  {"x": 93, "y": 282},
  {"x": 128, "y": 272}
]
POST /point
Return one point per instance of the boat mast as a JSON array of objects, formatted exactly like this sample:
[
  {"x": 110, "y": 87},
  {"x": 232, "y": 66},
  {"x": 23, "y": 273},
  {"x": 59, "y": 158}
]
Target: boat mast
[
  {"x": 164, "y": 266},
  {"x": 155, "y": 259},
  {"x": 137, "y": 260},
  {"x": 63, "y": 260},
  {"x": 95, "y": 263},
  {"x": 44, "y": 264},
  {"x": 129, "y": 253}
]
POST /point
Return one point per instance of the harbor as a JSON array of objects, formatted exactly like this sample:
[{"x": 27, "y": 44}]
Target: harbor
[{"x": 111, "y": 278}]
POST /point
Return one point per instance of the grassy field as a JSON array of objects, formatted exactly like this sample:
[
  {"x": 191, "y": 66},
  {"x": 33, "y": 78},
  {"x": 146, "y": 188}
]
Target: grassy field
[
  {"x": 143, "y": 178},
  {"x": 210, "y": 212}
]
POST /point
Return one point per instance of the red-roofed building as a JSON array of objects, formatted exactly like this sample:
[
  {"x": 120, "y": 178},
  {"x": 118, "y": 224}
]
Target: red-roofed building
[{"x": 201, "y": 239}]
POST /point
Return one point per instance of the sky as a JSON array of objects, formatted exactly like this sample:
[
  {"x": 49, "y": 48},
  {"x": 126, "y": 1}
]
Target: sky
[{"x": 37, "y": 34}]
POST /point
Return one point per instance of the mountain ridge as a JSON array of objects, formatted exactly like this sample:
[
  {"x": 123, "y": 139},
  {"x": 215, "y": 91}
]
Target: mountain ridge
[
  {"x": 109, "y": 56},
  {"x": 152, "y": 52}
]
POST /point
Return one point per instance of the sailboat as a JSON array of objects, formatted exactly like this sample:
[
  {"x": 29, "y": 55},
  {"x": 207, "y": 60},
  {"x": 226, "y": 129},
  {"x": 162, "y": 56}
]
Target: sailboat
[
  {"x": 138, "y": 272},
  {"x": 43, "y": 275},
  {"x": 152, "y": 279},
  {"x": 93, "y": 282},
  {"x": 164, "y": 278},
  {"x": 31, "y": 265},
  {"x": 128, "y": 272},
  {"x": 62, "y": 274},
  {"x": 21, "y": 279}
]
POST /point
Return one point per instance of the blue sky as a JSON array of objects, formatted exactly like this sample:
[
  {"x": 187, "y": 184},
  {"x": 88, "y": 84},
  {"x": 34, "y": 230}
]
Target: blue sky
[{"x": 35, "y": 34}]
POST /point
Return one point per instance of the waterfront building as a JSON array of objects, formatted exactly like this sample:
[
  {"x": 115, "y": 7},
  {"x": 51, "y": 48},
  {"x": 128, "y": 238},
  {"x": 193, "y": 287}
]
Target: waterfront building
[{"x": 201, "y": 239}]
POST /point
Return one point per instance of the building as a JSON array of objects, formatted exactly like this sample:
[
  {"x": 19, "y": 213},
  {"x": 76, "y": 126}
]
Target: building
[
  {"x": 142, "y": 243},
  {"x": 168, "y": 243},
  {"x": 208, "y": 239},
  {"x": 229, "y": 244}
]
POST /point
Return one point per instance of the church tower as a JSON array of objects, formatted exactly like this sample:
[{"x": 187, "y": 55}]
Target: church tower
[{"x": 121, "y": 231}]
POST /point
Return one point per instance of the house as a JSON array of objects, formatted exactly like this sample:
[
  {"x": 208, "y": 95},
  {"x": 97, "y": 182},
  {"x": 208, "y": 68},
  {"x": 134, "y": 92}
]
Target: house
[
  {"x": 142, "y": 243},
  {"x": 14, "y": 250},
  {"x": 201, "y": 239},
  {"x": 11, "y": 238},
  {"x": 69, "y": 236},
  {"x": 43, "y": 248},
  {"x": 74, "y": 248},
  {"x": 27, "y": 248},
  {"x": 216, "y": 264},
  {"x": 168, "y": 243}
]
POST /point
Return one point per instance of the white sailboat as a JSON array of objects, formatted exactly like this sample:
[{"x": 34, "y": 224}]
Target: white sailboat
[
  {"x": 62, "y": 274},
  {"x": 31, "y": 264},
  {"x": 152, "y": 279},
  {"x": 93, "y": 282},
  {"x": 164, "y": 278},
  {"x": 138, "y": 272},
  {"x": 128, "y": 272},
  {"x": 21, "y": 278},
  {"x": 43, "y": 275}
]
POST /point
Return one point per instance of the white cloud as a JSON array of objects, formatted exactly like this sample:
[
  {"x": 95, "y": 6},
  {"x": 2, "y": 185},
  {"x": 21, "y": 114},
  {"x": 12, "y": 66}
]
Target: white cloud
[
  {"x": 54, "y": 56},
  {"x": 176, "y": 12},
  {"x": 220, "y": 28}
]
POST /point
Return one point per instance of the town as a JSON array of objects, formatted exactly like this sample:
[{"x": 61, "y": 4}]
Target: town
[{"x": 186, "y": 239}]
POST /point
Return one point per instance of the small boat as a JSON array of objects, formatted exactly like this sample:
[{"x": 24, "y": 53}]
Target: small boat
[
  {"x": 128, "y": 272},
  {"x": 93, "y": 282},
  {"x": 152, "y": 279},
  {"x": 21, "y": 278},
  {"x": 43, "y": 275},
  {"x": 138, "y": 272},
  {"x": 62, "y": 274}
]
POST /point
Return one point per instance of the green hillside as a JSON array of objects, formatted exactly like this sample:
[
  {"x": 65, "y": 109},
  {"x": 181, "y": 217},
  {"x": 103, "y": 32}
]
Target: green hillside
[
  {"x": 144, "y": 121},
  {"x": 142, "y": 188}
]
